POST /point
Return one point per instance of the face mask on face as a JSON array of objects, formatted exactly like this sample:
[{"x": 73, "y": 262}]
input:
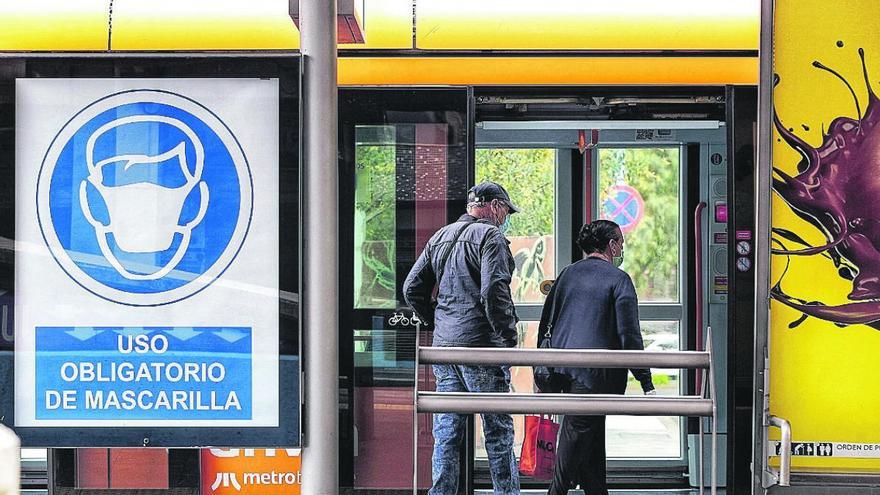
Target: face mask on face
[
  {"x": 505, "y": 225},
  {"x": 618, "y": 259},
  {"x": 499, "y": 212}
]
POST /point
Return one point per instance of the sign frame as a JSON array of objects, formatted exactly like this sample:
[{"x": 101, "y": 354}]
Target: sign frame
[{"x": 287, "y": 68}]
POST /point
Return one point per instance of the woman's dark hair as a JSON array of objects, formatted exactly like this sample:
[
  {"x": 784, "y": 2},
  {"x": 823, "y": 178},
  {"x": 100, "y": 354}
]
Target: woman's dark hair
[{"x": 595, "y": 236}]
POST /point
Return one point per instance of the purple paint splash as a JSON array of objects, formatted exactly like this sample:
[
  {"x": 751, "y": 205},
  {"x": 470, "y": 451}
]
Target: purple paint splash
[{"x": 837, "y": 190}]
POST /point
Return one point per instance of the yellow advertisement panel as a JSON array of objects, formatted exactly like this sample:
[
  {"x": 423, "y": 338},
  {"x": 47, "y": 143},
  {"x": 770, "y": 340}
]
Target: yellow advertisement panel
[{"x": 825, "y": 262}]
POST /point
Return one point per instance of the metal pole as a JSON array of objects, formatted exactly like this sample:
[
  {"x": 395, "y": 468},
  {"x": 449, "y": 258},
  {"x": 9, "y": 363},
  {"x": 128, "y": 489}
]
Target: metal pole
[
  {"x": 415, "y": 416},
  {"x": 703, "y": 384},
  {"x": 713, "y": 395},
  {"x": 10, "y": 462},
  {"x": 763, "y": 179},
  {"x": 320, "y": 454}
]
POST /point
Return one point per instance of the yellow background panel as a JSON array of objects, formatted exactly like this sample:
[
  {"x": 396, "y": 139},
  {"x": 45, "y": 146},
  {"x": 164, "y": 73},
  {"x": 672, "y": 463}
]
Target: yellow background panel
[
  {"x": 53, "y": 25},
  {"x": 822, "y": 377},
  {"x": 203, "y": 25},
  {"x": 388, "y": 25},
  {"x": 580, "y": 24},
  {"x": 66, "y": 25},
  {"x": 547, "y": 70},
  {"x": 237, "y": 25}
]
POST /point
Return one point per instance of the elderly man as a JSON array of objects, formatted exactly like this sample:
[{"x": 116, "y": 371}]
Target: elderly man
[{"x": 471, "y": 263}]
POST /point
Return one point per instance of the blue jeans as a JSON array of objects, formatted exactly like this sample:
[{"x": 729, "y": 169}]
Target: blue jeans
[{"x": 449, "y": 430}]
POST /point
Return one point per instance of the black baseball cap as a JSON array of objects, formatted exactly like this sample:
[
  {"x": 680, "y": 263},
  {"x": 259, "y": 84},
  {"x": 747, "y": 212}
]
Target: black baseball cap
[{"x": 487, "y": 191}]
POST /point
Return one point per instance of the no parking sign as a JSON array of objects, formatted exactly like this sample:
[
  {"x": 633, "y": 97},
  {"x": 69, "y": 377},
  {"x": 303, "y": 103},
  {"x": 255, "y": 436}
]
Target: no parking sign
[{"x": 623, "y": 205}]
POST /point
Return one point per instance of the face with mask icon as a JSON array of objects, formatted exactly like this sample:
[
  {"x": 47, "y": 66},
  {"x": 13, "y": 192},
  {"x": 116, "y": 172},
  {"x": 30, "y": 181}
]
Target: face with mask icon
[{"x": 144, "y": 215}]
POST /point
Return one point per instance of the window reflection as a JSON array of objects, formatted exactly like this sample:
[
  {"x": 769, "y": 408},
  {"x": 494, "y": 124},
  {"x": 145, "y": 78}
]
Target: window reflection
[
  {"x": 375, "y": 217},
  {"x": 529, "y": 177}
]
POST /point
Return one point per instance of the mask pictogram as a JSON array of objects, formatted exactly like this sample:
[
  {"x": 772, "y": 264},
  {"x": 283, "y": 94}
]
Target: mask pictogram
[{"x": 144, "y": 216}]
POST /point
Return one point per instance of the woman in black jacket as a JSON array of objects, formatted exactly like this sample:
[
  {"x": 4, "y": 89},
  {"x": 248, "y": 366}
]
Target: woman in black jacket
[{"x": 592, "y": 305}]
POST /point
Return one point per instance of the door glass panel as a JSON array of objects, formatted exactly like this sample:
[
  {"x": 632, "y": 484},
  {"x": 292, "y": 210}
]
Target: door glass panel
[
  {"x": 383, "y": 419},
  {"x": 639, "y": 188},
  {"x": 404, "y": 174},
  {"x": 374, "y": 217},
  {"x": 649, "y": 436},
  {"x": 529, "y": 177},
  {"x": 521, "y": 381}
]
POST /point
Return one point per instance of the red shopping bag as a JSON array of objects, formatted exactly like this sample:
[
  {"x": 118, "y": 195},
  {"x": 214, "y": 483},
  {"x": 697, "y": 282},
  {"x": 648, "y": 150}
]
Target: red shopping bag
[{"x": 539, "y": 447}]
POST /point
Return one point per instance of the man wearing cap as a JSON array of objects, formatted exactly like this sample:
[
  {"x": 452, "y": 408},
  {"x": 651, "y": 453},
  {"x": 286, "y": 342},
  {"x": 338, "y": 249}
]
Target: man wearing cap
[{"x": 471, "y": 264}]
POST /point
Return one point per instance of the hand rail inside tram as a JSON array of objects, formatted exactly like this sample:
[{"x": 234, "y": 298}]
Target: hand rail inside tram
[{"x": 703, "y": 405}]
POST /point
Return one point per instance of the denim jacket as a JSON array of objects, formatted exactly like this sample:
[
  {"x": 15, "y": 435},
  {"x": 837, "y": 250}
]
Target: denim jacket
[{"x": 474, "y": 305}]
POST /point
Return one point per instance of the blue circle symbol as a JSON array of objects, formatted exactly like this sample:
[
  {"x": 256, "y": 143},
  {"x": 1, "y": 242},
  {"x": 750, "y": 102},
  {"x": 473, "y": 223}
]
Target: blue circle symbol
[{"x": 144, "y": 197}]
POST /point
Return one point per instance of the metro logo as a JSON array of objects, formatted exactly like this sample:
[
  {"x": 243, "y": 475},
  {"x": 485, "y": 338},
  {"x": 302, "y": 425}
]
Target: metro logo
[
  {"x": 250, "y": 471},
  {"x": 226, "y": 479}
]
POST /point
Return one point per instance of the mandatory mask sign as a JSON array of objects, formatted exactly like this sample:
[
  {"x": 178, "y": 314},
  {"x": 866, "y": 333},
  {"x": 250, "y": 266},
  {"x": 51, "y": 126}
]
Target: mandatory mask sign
[{"x": 146, "y": 270}]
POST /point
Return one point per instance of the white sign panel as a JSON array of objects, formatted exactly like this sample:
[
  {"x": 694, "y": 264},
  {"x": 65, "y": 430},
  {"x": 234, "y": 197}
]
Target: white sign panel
[
  {"x": 146, "y": 269},
  {"x": 829, "y": 449}
]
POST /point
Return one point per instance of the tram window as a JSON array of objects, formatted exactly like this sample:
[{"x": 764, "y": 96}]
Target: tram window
[
  {"x": 374, "y": 217},
  {"x": 639, "y": 188},
  {"x": 529, "y": 177}
]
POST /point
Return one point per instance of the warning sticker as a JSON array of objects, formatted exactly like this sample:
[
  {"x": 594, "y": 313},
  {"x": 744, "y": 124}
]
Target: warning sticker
[{"x": 829, "y": 449}]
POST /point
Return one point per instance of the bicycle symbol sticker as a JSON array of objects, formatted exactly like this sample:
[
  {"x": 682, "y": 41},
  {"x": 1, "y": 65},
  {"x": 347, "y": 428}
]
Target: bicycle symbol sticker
[
  {"x": 400, "y": 319},
  {"x": 144, "y": 197}
]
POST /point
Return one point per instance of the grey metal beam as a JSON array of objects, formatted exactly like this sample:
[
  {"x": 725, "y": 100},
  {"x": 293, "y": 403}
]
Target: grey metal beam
[
  {"x": 595, "y": 358},
  {"x": 320, "y": 181},
  {"x": 599, "y": 124},
  {"x": 503, "y": 403},
  {"x": 763, "y": 179}
]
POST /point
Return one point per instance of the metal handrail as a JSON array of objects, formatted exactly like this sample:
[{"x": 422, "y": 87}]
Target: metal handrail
[
  {"x": 703, "y": 405},
  {"x": 592, "y": 404},
  {"x": 577, "y": 358},
  {"x": 784, "y": 474}
]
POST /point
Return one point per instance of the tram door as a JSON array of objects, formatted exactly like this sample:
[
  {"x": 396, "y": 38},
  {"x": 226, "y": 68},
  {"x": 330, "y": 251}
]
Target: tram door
[
  {"x": 650, "y": 188},
  {"x": 404, "y": 174}
]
